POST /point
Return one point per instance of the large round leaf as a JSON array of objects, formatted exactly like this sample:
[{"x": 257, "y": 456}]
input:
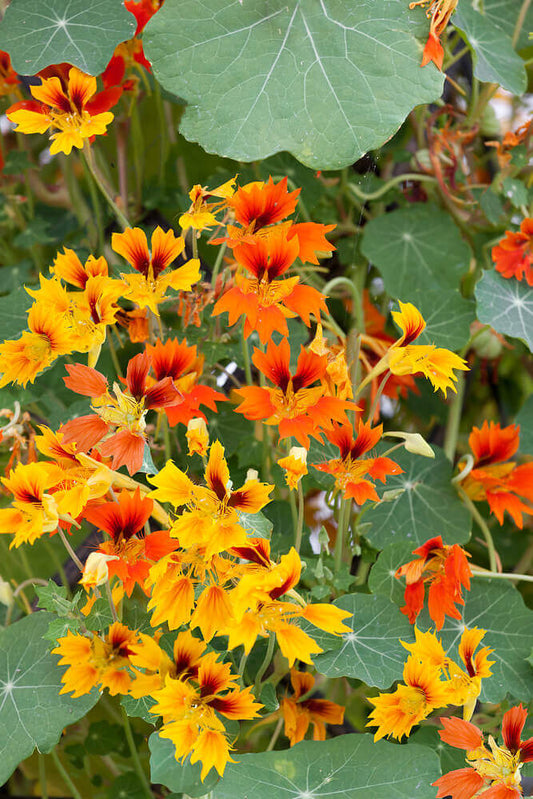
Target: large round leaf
[
  {"x": 324, "y": 79},
  {"x": 32, "y": 713},
  {"x": 84, "y": 34},
  {"x": 347, "y": 767},
  {"x": 427, "y": 506},
  {"x": 507, "y": 305}
]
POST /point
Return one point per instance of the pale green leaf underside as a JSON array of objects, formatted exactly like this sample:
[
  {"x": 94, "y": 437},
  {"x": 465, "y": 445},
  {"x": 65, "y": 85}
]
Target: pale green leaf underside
[
  {"x": 324, "y": 79},
  {"x": 495, "y": 59},
  {"x": 418, "y": 247},
  {"x": 507, "y": 305},
  {"x": 428, "y": 506},
  {"x": 32, "y": 714},
  {"x": 347, "y": 767},
  {"x": 37, "y": 33},
  {"x": 498, "y": 608},
  {"x": 372, "y": 652}
]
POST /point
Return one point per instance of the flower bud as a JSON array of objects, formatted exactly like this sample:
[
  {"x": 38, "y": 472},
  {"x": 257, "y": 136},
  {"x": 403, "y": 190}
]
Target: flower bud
[{"x": 197, "y": 436}]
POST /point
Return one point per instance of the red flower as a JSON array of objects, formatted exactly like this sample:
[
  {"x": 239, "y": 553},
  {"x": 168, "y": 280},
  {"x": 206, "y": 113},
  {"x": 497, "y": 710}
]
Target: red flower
[
  {"x": 494, "y": 478},
  {"x": 124, "y": 522},
  {"x": 445, "y": 569},
  {"x": 294, "y": 404},
  {"x": 513, "y": 256}
]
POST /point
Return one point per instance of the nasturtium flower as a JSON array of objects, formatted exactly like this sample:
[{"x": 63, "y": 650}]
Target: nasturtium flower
[
  {"x": 422, "y": 692},
  {"x": 266, "y": 302},
  {"x": 440, "y": 12},
  {"x": 298, "y": 713},
  {"x": 34, "y": 510},
  {"x": 197, "y": 437},
  {"x": 202, "y": 213},
  {"x": 295, "y": 405},
  {"x": 156, "y": 664},
  {"x": 351, "y": 470},
  {"x": 513, "y": 255},
  {"x": 131, "y": 552},
  {"x": 211, "y": 519},
  {"x": 96, "y": 661},
  {"x": 148, "y": 285},
  {"x": 494, "y": 770},
  {"x": 496, "y": 479},
  {"x": 9, "y": 80},
  {"x": 68, "y": 106},
  {"x": 445, "y": 570}
]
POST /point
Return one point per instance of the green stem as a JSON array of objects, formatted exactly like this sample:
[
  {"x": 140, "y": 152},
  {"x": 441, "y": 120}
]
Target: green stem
[
  {"x": 520, "y": 21},
  {"x": 246, "y": 357},
  {"x": 344, "y": 517},
  {"x": 481, "y": 523},
  {"x": 65, "y": 775},
  {"x": 109, "y": 596},
  {"x": 300, "y": 525},
  {"x": 527, "y": 578},
  {"x": 352, "y": 288},
  {"x": 69, "y": 549},
  {"x": 377, "y": 398},
  {"x": 373, "y": 195},
  {"x": 242, "y": 664},
  {"x": 99, "y": 180},
  {"x": 218, "y": 263},
  {"x": 114, "y": 356},
  {"x": 275, "y": 735},
  {"x": 454, "y": 419},
  {"x": 95, "y": 202},
  {"x": 135, "y": 755},
  {"x": 266, "y": 661},
  {"x": 42, "y": 776}
]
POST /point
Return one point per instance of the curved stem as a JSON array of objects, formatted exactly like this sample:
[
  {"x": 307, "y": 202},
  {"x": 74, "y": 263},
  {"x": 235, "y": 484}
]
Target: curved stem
[
  {"x": 266, "y": 661},
  {"x": 216, "y": 269},
  {"x": 520, "y": 21},
  {"x": 135, "y": 755},
  {"x": 69, "y": 549},
  {"x": 98, "y": 179},
  {"x": 300, "y": 525},
  {"x": 275, "y": 735},
  {"x": 466, "y": 471},
  {"x": 65, "y": 775},
  {"x": 454, "y": 419},
  {"x": 373, "y": 195},
  {"x": 481, "y": 523}
]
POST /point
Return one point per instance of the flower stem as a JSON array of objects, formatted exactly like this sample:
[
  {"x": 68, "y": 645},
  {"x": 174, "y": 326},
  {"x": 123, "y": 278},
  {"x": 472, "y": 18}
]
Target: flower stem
[
  {"x": 481, "y": 523},
  {"x": 218, "y": 263},
  {"x": 389, "y": 185},
  {"x": 300, "y": 524},
  {"x": 69, "y": 549},
  {"x": 454, "y": 419},
  {"x": 135, "y": 755},
  {"x": 527, "y": 578},
  {"x": 99, "y": 180},
  {"x": 275, "y": 735},
  {"x": 266, "y": 662},
  {"x": 246, "y": 357},
  {"x": 65, "y": 775},
  {"x": 344, "y": 519},
  {"x": 109, "y": 596},
  {"x": 42, "y": 776}
]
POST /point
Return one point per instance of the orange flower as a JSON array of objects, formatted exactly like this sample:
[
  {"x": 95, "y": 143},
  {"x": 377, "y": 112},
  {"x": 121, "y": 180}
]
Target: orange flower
[
  {"x": 148, "y": 286},
  {"x": 96, "y": 661},
  {"x": 494, "y": 770},
  {"x": 350, "y": 469},
  {"x": 265, "y": 302},
  {"x": 494, "y": 478},
  {"x": 298, "y": 714},
  {"x": 123, "y": 411},
  {"x": 21, "y": 360},
  {"x": 294, "y": 465},
  {"x": 183, "y": 364},
  {"x": 70, "y": 107},
  {"x": 132, "y": 554},
  {"x": 298, "y": 410},
  {"x": 446, "y": 570},
  {"x": 148, "y": 655},
  {"x": 34, "y": 511},
  {"x": 513, "y": 255},
  {"x": 440, "y": 12},
  {"x": 396, "y": 714},
  {"x": 9, "y": 80}
]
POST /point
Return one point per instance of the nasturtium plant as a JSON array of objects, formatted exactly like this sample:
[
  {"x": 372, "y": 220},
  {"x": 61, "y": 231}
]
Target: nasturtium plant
[{"x": 266, "y": 460}]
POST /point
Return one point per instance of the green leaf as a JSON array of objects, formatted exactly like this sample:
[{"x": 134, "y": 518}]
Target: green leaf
[
  {"x": 148, "y": 466},
  {"x": 104, "y": 737},
  {"x": 525, "y": 419},
  {"x": 418, "y": 246},
  {"x": 495, "y": 59},
  {"x": 448, "y": 317},
  {"x": 14, "y": 314},
  {"x": 504, "y": 14},
  {"x": 32, "y": 713},
  {"x": 382, "y": 580},
  {"x": 516, "y": 192},
  {"x": 51, "y": 31},
  {"x": 256, "y": 524},
  {"x": 182, "y": 778},
  {"x": 53, "y": 597},
  {"x": 507, "y": 305},
  {"x": 372, "y": 652},
  {"x": 498, "y": 608},
  {"x": 347, "y": 767},
  {"x": 327, "y": 82},
  {"x": 428, "y": 506},
  {"x": 139, "y": 708},
  {"x": 127, "y": 786}
]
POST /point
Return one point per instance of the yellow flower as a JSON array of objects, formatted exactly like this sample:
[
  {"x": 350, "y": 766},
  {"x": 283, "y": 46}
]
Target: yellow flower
[{"x": 295, "y": 465}]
